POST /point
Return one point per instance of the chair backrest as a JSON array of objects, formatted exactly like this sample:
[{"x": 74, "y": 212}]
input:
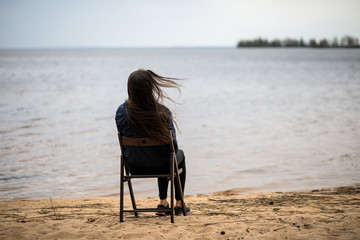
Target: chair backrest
[{"x": 143, "y": 142}]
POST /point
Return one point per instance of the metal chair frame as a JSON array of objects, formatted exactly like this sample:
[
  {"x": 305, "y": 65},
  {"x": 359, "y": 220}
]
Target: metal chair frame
[{"x": 126, "y": 176}]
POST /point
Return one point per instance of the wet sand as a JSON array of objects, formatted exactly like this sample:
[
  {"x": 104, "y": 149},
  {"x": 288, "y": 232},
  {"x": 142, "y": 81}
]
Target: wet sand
[{"x": 317, "y": 214}]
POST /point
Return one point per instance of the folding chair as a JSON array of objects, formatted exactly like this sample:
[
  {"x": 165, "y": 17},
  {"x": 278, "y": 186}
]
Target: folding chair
[{"x": 126, "y": 176}]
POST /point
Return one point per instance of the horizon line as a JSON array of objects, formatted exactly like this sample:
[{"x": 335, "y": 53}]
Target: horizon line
[{"x": 111, "y": 47}]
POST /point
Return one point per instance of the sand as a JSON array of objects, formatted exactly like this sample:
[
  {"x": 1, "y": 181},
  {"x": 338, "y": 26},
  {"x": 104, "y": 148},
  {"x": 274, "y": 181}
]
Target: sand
[{"x": 317, "y": 214}]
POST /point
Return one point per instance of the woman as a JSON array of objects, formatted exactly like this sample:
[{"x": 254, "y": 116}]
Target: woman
[{"x": 144, "y": 115}]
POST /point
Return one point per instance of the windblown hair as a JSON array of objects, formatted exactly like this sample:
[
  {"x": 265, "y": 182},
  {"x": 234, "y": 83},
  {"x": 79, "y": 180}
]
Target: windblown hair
[{"x": 144, "y": 106}]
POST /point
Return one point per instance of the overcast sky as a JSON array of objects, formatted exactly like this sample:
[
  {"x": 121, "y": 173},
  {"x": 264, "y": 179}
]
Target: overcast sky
[{"x": 170, "y": 23}]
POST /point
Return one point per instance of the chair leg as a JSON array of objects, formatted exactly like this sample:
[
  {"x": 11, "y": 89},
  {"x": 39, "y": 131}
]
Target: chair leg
[
  {"x": 122, "y": 190},
  {"x": 132, "y": 197},
  {"x": 172, "y": 188},
  {"x": 179, "y": 189},
  {"x": 131, "y": 192}
]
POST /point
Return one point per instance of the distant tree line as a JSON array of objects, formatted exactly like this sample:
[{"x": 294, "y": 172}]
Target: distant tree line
[{"x": 345, "y": 42}]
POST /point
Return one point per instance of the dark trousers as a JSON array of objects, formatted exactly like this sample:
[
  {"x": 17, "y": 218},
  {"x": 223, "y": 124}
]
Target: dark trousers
[{"x": 163, "y": 183}]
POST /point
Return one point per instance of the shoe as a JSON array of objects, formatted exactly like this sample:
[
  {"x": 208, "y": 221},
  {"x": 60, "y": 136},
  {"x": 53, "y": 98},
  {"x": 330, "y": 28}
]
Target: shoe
[
  {"x": 163, "y": 213},
  {"x": 179, "y": 211}
]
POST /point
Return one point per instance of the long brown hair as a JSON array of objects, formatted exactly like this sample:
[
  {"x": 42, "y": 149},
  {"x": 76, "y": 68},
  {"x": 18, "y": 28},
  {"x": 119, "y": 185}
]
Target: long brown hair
[{"x": 144, "y": 106}]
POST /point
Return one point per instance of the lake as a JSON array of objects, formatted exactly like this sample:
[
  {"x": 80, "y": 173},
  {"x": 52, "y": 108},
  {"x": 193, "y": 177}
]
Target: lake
[{"x": 255, "y": 120}]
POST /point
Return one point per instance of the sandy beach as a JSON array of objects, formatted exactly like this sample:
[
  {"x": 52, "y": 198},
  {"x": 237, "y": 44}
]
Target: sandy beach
[{"x": 317, "y": 214}]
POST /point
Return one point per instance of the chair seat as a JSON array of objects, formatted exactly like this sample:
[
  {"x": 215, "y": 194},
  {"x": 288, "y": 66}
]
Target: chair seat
[
  {"x": 147, "y": 176},
  {"x": 152, "y": 176}
]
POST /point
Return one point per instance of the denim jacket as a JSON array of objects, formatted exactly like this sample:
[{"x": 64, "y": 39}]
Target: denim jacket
[{"x": 155, "y": 156}]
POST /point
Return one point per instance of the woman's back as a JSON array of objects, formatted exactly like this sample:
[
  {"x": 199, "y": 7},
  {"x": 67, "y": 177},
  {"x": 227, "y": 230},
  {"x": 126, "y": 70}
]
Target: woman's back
[{"x": 143, "y": 156}]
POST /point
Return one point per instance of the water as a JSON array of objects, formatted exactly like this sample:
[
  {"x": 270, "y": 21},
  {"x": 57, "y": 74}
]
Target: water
[{"x": 250, "y": 119}]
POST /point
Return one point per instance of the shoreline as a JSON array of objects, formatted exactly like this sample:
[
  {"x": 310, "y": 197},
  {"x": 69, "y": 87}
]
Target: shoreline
[
  {"x": 331, "y": 213},
  {"x": 150, "y": 193}
]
